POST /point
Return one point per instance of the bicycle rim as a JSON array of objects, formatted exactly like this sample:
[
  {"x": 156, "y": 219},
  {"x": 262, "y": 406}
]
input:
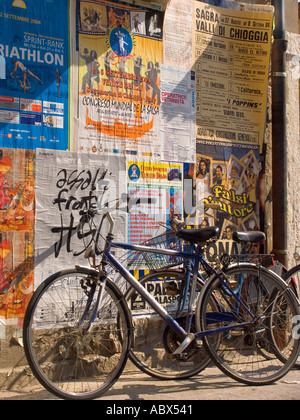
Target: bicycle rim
[
  {"x": 238, "y": 351},
  {"x": 153, "y": 341},
  {"x": 69, "y": 360}
]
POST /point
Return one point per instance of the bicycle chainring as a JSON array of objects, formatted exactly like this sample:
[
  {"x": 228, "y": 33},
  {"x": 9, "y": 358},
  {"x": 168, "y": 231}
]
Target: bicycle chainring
[{"x": 172, "y": 341}]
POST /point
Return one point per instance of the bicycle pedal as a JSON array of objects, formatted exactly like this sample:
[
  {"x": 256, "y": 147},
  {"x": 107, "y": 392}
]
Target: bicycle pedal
[{"x": 199, "y": 344}]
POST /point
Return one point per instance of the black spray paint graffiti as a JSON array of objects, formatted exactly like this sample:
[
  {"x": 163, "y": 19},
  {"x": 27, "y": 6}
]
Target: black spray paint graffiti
[{"x": 77, "y": 191}]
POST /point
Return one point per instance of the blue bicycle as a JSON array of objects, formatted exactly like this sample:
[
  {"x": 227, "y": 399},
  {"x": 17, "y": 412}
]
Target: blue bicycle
[{"x": 79, "y": 331}]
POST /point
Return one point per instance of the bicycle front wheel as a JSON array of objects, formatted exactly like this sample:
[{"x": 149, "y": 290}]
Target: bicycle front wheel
[
  {"x": 77, "y": 350},
  {"x": 260, "y": 316},
  {"x": 154, "y": 342}
]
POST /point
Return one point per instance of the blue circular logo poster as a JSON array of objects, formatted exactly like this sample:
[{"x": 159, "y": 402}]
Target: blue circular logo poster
[
  {"x": 134, "y": 173},
  {"x": 121, "y": 41}
]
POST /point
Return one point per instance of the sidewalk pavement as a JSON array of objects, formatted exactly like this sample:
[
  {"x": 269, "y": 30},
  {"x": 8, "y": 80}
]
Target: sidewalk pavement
[{"x": 210, "y": 384}]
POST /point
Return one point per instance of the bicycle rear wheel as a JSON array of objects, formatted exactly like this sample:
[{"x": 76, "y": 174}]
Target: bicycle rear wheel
[
  {"x": 72, "y": 355},
  {"x": 292, "y": 278},
  {"x": 238, "y": 351},
  {"x": 154, "y": 342}
]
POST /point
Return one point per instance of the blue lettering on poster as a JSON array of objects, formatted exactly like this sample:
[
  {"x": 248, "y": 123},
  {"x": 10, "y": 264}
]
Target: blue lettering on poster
[{"x": 34, "y": 74}]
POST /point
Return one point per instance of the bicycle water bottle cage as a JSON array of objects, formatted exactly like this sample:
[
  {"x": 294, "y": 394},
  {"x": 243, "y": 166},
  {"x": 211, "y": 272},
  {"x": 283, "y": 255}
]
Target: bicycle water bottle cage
[
  {"x": 198, "y": 235},
  {"x": 248, "y": 236}
]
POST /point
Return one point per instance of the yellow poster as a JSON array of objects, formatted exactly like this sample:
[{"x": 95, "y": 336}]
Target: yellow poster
[{"x": 231, "y": 55}]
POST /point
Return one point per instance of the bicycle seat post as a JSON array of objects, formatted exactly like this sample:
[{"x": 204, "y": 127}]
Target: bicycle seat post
[{"x": 198, "y": 252}]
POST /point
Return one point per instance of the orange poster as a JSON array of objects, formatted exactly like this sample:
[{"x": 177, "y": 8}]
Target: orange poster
[{"x": 17, "y": 198}]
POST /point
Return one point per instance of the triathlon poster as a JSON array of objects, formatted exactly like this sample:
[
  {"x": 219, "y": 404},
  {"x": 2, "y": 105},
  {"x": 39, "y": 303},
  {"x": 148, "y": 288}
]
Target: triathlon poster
[
  {"x": 35, "y": 64},
  {"x": 120, "y": 57}
]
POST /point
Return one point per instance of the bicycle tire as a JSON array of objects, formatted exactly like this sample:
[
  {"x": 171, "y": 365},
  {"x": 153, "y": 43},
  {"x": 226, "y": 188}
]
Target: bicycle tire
[
  {"x": 237, "y": 354},
  {"x": 153, "y": 341},
  {"x": 69, "y": 361},
  {"x": 292, "y": 278}
]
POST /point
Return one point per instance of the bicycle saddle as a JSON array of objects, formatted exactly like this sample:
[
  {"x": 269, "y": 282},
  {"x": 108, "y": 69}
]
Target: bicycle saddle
[
  {"x": 254, "y": 236},
  {"x": 198, "y": 235}
]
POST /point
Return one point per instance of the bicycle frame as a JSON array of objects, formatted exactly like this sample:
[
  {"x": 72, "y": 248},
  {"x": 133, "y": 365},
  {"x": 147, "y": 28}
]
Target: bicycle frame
[{"x": 198, "y": 258}]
